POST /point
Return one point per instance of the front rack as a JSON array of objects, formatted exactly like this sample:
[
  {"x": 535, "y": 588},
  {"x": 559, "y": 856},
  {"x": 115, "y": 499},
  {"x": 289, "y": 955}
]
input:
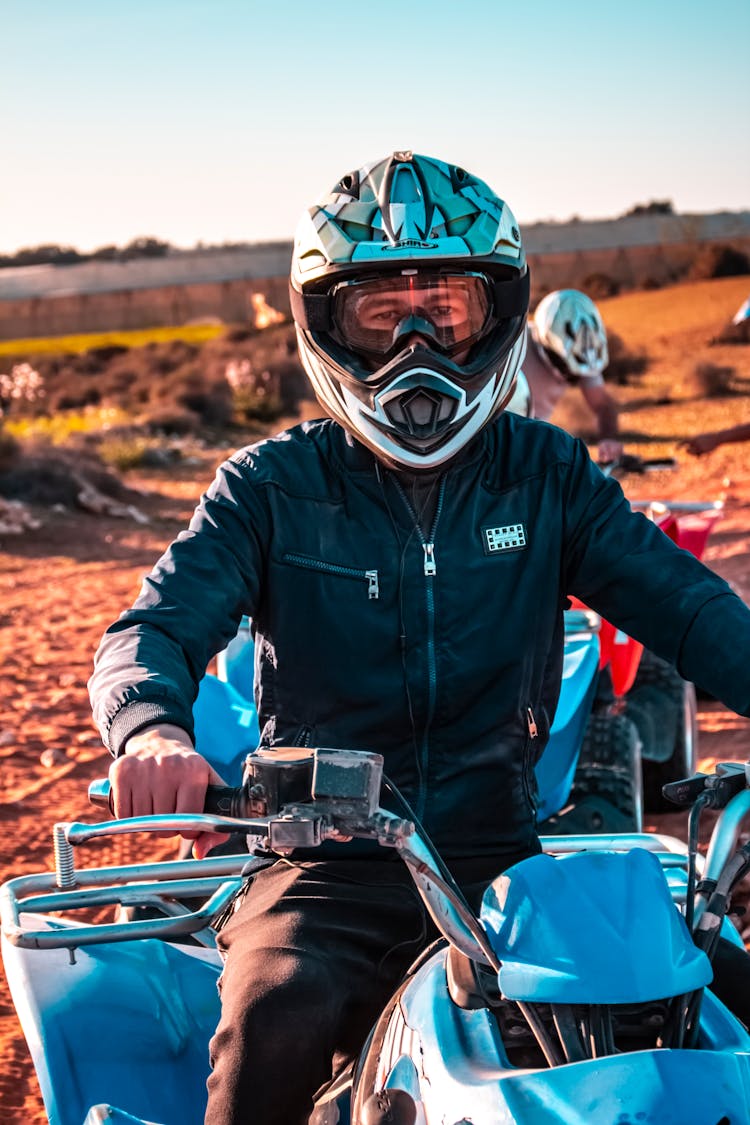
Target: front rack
[{"x": 213, "y": 881}]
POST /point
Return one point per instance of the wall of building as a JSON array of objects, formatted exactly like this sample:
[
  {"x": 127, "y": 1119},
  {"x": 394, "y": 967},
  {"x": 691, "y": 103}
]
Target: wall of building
[
  {"x": 188, "y": 286},
  {"x": 229, "y": 301}
]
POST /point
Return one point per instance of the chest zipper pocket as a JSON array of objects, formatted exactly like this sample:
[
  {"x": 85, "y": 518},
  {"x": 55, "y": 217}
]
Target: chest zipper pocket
[
  {"x": 529, "y": 781},
  {"x": 308, "y": 563}
]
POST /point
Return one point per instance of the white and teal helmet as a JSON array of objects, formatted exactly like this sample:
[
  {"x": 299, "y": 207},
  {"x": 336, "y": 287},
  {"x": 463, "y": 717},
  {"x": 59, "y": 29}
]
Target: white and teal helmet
[
  {"x": 568, "y": 327},
  {"x": 409, "y": 289}
]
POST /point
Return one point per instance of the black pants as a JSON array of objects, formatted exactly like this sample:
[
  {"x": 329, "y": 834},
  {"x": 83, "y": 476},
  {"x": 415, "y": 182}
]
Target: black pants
[{"x": 312, "y": 956}]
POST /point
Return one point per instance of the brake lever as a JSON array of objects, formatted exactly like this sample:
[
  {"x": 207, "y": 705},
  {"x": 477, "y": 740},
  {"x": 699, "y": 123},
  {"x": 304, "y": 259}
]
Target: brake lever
[
  {"x": 686, "y": 791},
  {"x": 717, "y": 788}
]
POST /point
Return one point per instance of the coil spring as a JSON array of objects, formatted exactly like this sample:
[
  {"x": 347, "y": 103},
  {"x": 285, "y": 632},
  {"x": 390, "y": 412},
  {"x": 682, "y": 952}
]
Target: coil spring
[{"x": 64, "y": 862}]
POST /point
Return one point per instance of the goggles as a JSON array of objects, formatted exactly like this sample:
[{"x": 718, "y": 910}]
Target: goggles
[
  {"x": 450, "y": 310},
  {"x": 372, "y": 316}
]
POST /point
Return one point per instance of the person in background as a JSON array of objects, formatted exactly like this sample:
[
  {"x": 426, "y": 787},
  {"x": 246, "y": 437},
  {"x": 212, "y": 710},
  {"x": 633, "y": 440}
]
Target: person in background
[
  {"x": 707, "y": 442},
  {"x": 567, "y": 346},
  {"x": 406, "y": 563}
]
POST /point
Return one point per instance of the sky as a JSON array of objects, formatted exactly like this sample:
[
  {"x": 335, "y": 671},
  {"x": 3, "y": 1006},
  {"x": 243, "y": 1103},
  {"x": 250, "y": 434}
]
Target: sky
[{"x": 220, "y": 120}]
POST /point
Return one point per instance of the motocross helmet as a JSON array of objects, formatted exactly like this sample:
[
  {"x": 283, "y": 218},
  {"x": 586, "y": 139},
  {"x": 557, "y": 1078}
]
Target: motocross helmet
[
  {"x": 571, "y": 333},
  {"x": 409, "y": 290}
]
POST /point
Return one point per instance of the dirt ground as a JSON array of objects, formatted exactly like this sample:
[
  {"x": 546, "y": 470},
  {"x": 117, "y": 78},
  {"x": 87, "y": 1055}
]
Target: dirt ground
[{"x": 62, "y": 584}]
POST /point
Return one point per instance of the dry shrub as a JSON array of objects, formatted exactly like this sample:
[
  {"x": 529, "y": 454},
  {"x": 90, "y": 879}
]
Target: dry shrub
[
  {"x": 169, "y": 422},
  {"x": 713, "y": 380},
  {"x": 106, "y": 353},
  {"x": 209, "y": 400},
  {"x": 179, "y": 352},
  {"x": 624, "y": 365},
  {"x": 600, "y": 285},
  {"x": 241, "y": 333},
  {"x": 49, "y": 475},
  {"x": 9, "y": 450},
  {"x": 77, "y": 396},
  {"x": 291, "y": 384},
  {"x": 718, "y": 260},
  {"x": 123, "y": 453},
  {"x": 178, "y": 383}
]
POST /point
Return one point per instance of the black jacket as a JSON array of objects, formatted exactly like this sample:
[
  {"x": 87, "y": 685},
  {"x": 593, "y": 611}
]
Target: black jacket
[{"x": 452, "y": 675}]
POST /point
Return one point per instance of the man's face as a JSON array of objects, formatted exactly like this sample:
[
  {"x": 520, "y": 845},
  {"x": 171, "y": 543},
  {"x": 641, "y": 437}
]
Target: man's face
[
  {"x": 443, "y": 312},
  {"x": 447, "y": 309}
]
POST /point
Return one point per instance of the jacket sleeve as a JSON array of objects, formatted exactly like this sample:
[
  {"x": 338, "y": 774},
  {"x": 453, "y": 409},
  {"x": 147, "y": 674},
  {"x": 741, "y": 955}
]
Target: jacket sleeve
[
  {"x": 623, "y": 566},
  {"x": 150, "y": 662}
]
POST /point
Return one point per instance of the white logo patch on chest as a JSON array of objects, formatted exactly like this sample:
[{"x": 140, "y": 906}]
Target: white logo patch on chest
[{"x": 509, "y": 538}]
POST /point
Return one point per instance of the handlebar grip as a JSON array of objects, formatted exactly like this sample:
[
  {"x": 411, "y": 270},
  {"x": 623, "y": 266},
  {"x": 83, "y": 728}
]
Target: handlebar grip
[
  {"x": 225, "y": 800},
  {"x": 100, "y": 793},
  {"x": 221, "y": 800}
]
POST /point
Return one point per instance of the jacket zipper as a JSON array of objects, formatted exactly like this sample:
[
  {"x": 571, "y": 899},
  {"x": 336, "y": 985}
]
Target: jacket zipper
[
  {"x": 430, "y": 570},
  {"x": 368, "y": 576},
  {"x": 533, "y": 732}
]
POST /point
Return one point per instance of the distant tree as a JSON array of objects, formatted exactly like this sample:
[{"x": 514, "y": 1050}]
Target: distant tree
[
  {"x": 144, "y": 248},
  {"x": 43, "y": 255},
  {"x": 105, "y": 254},
  {"x": 655, "y": 207}
]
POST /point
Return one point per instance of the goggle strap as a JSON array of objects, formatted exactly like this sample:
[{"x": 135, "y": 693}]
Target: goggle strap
[
  {"x": 512, "y": 296},
  {"x": 311, "y": 311}
]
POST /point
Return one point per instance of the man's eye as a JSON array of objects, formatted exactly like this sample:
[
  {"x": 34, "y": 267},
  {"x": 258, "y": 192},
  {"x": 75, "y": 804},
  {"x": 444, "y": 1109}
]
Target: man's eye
[
  {"x": 379, "y": 314},
  {"x": 450, "y": 311}
]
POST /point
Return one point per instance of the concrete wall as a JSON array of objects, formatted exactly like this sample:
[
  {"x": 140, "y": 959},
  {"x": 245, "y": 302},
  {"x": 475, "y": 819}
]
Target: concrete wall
[
  {"x": 186, "y": 286},
  {"x": 231, "y": 301},
  {"x": 629, "y": 267}
]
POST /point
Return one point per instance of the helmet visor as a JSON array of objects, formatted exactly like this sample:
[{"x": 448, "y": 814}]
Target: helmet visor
[{"x": 375, "y": 317}]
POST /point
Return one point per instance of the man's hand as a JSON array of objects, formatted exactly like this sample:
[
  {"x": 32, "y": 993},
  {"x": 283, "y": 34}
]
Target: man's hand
[
  {"x": 161, "y": 772},
  {"x": 702, "y": 443}
]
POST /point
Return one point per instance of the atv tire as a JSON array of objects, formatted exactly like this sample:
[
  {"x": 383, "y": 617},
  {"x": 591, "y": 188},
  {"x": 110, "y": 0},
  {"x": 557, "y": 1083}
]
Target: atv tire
[
  {"x": 609, "y": 770},
  {"x": 663, "y": 707}
]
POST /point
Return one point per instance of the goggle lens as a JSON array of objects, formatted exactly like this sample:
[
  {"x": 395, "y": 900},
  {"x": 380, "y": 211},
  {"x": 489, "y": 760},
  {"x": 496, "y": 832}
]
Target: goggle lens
[{"x": 451, "y": 310}]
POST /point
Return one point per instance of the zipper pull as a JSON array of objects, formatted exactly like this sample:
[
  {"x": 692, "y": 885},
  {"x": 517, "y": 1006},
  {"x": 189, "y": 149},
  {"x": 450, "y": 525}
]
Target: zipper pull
[
  {"x": 373, "y": 590},
  {"x": 531, "y": 723},
  {"x": 429, "y": 559}
]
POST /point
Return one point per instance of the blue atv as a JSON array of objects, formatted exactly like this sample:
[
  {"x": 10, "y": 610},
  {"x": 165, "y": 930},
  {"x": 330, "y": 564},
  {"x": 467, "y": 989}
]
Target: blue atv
[{"x": 579, "y": 994}]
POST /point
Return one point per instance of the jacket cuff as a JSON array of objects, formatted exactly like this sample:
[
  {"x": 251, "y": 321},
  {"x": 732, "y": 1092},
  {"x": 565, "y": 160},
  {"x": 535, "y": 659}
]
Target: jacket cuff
[{"x": 137, "y": 716}]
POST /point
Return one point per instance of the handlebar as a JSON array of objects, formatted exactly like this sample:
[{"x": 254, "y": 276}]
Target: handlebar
[
  {"x": 337, "y": 795},
  {"x": 343, "y": 799}
]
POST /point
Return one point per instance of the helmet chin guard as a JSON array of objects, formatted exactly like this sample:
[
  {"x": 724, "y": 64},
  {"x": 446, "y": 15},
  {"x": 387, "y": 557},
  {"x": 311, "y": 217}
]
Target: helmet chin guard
[
  {"x": 422, "y": 247},
  {"x": 421, "y": 417}
]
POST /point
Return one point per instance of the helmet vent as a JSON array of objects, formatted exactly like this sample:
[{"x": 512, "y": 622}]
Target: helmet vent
[
  {"x": 348, "y": 185},
  {"x": 421, "y": 412}
]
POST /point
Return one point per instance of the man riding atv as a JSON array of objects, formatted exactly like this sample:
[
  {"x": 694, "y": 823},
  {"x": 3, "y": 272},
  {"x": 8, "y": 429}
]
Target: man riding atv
[
  {"x": 405, "y": 563},
  {"x": 567, "y": 347}
]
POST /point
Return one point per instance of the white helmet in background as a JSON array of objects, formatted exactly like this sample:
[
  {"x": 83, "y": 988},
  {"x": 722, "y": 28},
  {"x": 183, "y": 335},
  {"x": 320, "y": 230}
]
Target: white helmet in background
[
  {"x": 568, "y": 327},
  {"x": 409, "y": 290}
]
